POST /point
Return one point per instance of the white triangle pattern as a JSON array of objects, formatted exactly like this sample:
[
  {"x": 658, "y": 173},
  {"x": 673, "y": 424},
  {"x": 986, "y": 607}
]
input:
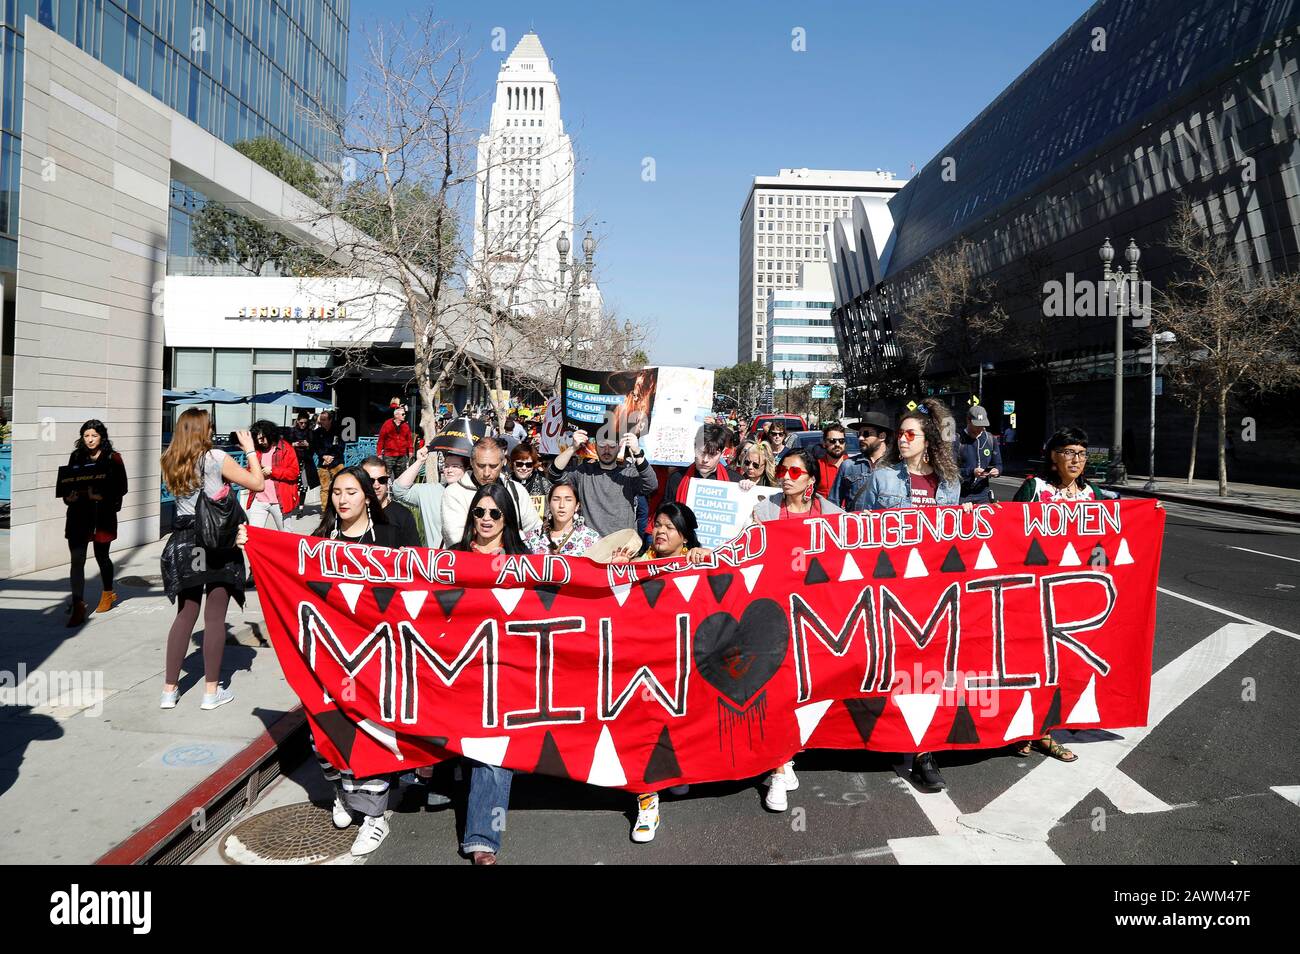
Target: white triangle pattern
[
  {"x": 489, "y": 751},
  {"x": 809, "y": 716},
  {"x": 620, "y": 591},
  {"x": 414, "y": 600},
  {"x": 1071, "y": 556},
  {"x": 915, "y": 565},
  {"x": 383, "y": 735},
  {"x": 1022, "y": 723},
  {"x": 686, "y": 585},
  {"x": 1122, "y": 556},
  {"x": 750, "y": 575},
  {"x": 1085, "y": 710},
  {"x": 606, "y": 769},
  {"x": 850, "y": 571},
  {"x": 351, "y": 593},
  {"x": 985, "y": 560},
  {"x": 508, "y": 599},
  {"x": 918, "y": 711}
]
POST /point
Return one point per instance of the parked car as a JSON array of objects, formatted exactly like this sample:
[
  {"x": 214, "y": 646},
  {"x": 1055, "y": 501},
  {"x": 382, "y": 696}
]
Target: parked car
[
  {"x": 796, "y": 440},
  {"x": 792, "y": 422}
]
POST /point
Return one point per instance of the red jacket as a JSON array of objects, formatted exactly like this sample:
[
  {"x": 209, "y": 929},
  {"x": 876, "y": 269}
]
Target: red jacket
[
  {"x": 284, "y": 474},
  {"x": 395, "y": 441}
]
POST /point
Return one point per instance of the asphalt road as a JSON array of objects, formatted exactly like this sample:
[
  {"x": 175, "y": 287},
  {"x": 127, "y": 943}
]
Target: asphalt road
[{"x": 1195, "y": 787}]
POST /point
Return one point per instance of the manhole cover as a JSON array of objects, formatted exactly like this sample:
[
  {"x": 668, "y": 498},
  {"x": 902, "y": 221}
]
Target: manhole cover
[{"x": 300, "y": 834}]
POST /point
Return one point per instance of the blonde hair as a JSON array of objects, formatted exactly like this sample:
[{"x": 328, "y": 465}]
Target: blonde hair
[
  {"x": 191, "y": 439},
  {"x": 764, "y": 451}
]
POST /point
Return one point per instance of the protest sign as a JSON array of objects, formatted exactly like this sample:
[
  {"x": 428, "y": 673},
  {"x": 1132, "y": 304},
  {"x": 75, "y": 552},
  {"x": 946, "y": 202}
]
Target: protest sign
[{"x": 722, "y": 508}]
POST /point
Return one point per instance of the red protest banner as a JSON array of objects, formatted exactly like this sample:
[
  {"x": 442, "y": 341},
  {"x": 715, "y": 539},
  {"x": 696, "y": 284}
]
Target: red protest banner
[{"x": 897, "y": 630}]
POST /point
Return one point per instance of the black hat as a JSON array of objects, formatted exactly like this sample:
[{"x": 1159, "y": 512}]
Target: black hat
[
  {"x": 459, "y": 437},
  {"x": 874, "y": 419}
]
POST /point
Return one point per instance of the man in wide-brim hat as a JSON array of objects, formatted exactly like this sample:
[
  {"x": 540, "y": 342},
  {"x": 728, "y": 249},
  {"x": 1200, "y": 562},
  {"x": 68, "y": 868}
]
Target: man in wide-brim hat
[{"x": 875, "y": 433}]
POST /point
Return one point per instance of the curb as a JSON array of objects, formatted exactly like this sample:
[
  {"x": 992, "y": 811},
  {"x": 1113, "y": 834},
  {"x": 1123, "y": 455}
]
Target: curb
[
  {"x": 1211, "y": 503},
  {"x": 221, "y": 796}
]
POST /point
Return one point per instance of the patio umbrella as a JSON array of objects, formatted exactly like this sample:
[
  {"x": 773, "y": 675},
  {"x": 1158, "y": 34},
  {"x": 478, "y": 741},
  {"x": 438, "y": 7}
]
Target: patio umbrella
[
  {"x": 289, "y": 399},
  {"x": 203, "y": 396}
]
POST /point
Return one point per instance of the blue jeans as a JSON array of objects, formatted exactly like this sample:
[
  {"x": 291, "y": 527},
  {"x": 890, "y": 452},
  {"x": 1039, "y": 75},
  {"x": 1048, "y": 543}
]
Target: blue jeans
[{"x": 485, "y": 815}]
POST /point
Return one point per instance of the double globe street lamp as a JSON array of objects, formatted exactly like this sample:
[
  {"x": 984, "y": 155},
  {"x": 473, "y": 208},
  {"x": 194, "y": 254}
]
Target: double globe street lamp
[
  {"x": 581, "y": 276},
  {"x": 1125, "y": 284}
]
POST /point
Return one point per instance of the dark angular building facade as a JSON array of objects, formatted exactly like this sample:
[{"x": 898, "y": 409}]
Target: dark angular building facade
[{"x": 1137, "y": 106}]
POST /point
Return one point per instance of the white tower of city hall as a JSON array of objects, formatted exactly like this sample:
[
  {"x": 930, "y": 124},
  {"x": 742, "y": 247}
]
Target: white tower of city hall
[{"x": 524, "y": 190}]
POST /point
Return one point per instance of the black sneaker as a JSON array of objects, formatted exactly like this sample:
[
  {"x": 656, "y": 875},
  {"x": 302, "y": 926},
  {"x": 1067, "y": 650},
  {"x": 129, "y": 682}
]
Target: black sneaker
[{"x": 926, "y": 774}]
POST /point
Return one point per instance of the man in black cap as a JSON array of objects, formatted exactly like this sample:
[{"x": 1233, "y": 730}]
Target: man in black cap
[
  {"x": 978, "y": 456},
  {"x": 875, "y": 432}
]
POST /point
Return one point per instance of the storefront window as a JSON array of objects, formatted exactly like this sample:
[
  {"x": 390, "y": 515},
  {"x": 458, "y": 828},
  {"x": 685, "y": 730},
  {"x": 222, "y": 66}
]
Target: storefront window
[{"x": 234, "y": 372}]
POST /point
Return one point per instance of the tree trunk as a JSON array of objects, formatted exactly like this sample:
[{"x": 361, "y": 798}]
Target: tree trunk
[
  {"x": 1223, "y": 442},
  {"x": 1196, "y": 433}
]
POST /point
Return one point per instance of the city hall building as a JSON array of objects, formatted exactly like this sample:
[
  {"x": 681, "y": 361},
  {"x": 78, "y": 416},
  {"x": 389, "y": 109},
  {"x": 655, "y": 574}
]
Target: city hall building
[{"x": 1136, "y": 107}]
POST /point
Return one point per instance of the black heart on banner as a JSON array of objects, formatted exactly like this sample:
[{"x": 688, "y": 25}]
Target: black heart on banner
[{"x": 738, "y": 658}]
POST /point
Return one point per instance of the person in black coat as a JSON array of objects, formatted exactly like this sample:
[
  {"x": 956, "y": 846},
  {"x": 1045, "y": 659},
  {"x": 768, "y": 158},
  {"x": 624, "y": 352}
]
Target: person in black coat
[
  {"x": 327, "y": 445},
  {"x": 92, "y": 516}
]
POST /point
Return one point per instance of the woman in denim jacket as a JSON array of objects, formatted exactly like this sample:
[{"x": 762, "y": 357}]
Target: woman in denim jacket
[{"x": 919, "y": 471}]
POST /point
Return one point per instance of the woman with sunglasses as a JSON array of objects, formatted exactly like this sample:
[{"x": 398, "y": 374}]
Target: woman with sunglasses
[
  {"x": 799, "y": 477},
  {"x": 526, "y": 467},
  {"x": 674, "y": 536},
  {"x": 756, "y": 464},
  {"x": 563, "y": 530},
  {"x": 1060, "y": 478},
  {"x": 774, "y": 437},
  {"x": 919, "y": 471},
  {"x": 491, "y": 528}
]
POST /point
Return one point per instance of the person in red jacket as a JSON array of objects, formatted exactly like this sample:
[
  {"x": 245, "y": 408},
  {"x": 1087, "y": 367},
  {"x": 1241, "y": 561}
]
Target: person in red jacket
[
  {"x": 396, "y": 444},
  {"x": 279, "y": 463}
]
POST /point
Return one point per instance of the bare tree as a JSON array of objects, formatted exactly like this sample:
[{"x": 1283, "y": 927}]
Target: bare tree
[
  {"x": 951, "y": 315},
  {"x": 1241, "y": 327}
]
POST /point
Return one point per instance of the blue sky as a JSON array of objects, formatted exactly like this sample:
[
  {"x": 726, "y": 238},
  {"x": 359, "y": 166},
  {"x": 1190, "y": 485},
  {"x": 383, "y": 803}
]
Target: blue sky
[{"x": 715, "y": 94}]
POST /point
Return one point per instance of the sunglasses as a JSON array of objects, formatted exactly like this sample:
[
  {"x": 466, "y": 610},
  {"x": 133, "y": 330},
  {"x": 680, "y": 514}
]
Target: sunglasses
[
  {"x": 793, "y": 472},
  {"x": 524, "y": 465},
  {"x": 756, "y": 464},
  {"x": 837, "y": 440},
  {"x": 380, "y": 480},
  {"x": 491, "y": 512},
  {"x": 909, "y": 434}
]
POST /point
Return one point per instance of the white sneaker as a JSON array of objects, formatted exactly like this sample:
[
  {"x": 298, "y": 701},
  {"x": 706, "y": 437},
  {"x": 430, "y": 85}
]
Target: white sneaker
[
  {"x": 212, "y": 700},
  {"x": 371, "y": 836},
  {"x": 647, "y": 819},
  {"x": 791, "y": 780},
  {"x": 775, "y": 799},
  {"x": 339, "y": 814},
  {"x": 169, "y": 699}
]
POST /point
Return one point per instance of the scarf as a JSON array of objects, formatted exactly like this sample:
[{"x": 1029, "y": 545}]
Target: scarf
[{"x": 684, "y": 487}]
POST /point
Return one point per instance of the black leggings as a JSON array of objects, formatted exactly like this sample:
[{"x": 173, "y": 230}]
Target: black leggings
[
  {"x": 214, "y": 630},
  {"x": 78, "y": 552}
]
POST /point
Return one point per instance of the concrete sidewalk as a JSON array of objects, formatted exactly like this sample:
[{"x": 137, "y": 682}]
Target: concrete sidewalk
[
  {"x": 86, "y": 756},
  {"x": 1251, "y": 499}
]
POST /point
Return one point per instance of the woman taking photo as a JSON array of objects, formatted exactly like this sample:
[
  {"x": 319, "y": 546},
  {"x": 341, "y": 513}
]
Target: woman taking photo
[
  {"x": 92, "y": 516},
  {"x": 799, "y": 498},
  {"x": 563, "y": 531},
  {"x": 492, "y": 528},
  {"x": 526, "y": 467},
  {"x": 673, "y": 536},
  {"x": 919, "y": 471},
  {"x": 192, "y": 466}
]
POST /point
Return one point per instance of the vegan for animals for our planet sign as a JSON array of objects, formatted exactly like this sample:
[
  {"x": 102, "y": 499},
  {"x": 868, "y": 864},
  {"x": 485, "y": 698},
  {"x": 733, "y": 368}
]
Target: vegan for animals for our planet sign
[{"x": 897, "y": 630}]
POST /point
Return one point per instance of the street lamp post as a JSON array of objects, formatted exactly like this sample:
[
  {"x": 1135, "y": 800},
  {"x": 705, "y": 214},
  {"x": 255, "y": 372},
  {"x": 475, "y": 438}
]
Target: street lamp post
[
  {"x": 1125, "y": 284},
  {"x": 787, "y": 376},
  {"x": 581, "y": 274},
  {"x": 1164, "y": 337}
]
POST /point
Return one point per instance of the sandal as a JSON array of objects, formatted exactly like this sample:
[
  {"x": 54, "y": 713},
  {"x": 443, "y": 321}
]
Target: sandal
[
  {"x": 1049, "y": 746},
  {"x": 1022, "y": 749}
]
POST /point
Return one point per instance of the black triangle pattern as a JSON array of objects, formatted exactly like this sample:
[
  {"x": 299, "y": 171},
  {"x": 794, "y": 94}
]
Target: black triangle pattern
[
  {"x": 963, "y": 731},
  {"x": 816, "y": 574},
  {"x": 1035, "y": 556},
  {"x": 383, "y": 596},
  {"x": 550, "y": 762},
  {"x": 1053, "y": 716},
  {"x": 865, "y": 712},
  {"x": 884, "y": 568},
  {"x": 952, "y": 563},
  {"x": 663, "y": 760},
  {"x": 547, "y": 593},
  {"x": 321, "y": 588},
  {"x": 652, "y": 588},
  {"x": 448, "y": 599},
  {"x": 339, "y": 729},
  {"x": 719, "y": 583}
]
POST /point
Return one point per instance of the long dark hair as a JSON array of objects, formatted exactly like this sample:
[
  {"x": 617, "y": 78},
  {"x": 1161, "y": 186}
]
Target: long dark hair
[
  {"x": 267, "y": 429},
  {"x": 683, "y": 518},
  {"x": 329, "y": 520},
  {"x": 809, "y": 464},
  {"x": 500, "y": 495},
  {"x": 1062, "y": 438},
  {"x": 80, "y": 452}
]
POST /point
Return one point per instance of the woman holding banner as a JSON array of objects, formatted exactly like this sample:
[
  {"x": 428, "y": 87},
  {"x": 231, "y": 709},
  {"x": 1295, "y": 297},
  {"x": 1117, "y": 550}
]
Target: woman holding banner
[
  {"x": 919, "y": 471},
  {"x": 674, "y": 536},
  {"x": 798, "y": 473}
]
